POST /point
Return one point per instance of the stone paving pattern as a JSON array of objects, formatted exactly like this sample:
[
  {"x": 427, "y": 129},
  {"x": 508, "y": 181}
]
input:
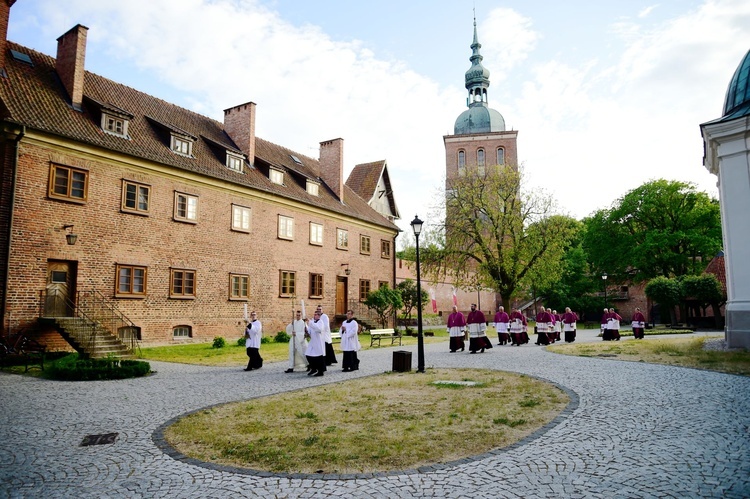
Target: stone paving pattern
[{"x": 634, "y": 430}]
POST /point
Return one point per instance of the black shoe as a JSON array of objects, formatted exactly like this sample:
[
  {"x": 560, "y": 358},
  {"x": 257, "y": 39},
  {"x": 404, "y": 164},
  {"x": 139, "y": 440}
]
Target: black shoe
[
  {"x": 248, "y": 369},
  {"x": 482, "y": 351},
  {"x": 453, "y": 351},
  {"x": 462, "y": 349},
  {"x": 312, "y": 372},
  {"x": 345, "y": 370},
  {"x": 289, "y": 371},
  {"x": 318, "y": 374},
  {"x": 473, "y": 352},
  {"x": 355, "y": 369}
]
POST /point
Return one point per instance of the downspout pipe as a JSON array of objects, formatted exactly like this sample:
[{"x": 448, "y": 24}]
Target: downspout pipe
[{"x": 16, "y": 147}]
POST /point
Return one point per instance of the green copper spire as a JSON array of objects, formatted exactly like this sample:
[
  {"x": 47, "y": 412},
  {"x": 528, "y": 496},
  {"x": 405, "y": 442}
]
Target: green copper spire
[{"x": 478, "y": 118}]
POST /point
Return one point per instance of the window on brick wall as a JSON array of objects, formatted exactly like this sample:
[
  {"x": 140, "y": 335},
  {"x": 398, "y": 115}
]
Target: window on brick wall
[
  {"x": 286, "y": 227},
  {"x": 239, "y": 286},
  {"x": 364, "y": 289},
  {"x": 131, "y": 281},
  {"x": 342, "y": 239},
  {"x": 316, "y": 234},
  {"x": 500, "y": 156},
  {"x": 182, "y": 332},
  {"x": 182, "y": 283},
  {"x": 68, "y": 183},
  {"x": 135, "y": 197},
  {"x": 185, "y": 207},
  {"x": 241, "y": 216},
  {"x": 385, "y": 248},
  {"x": 382, "y": 284},
  {"x": 287, "y": 283},
  {"x": 364, "y": 244},
  {"x": 316, "y": 285}
]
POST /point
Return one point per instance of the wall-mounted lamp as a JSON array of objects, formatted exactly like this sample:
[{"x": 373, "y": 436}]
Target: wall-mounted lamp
[
  {"x": 70, "y": 237},
  {"x": 347, "y": 271}
]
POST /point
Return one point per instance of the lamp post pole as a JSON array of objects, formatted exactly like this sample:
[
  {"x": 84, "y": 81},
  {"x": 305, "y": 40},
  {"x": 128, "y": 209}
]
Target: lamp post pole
[
  {"x": 604, "y": 278},
  {"x": 416, "y": 226}
]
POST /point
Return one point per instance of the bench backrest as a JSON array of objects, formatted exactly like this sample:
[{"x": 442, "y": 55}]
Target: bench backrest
[{"x": 382, "y": 331}]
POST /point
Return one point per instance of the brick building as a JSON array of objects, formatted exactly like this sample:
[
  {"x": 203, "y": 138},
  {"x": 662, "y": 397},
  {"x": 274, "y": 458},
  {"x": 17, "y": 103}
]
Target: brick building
[{"x": 176, "y": 220}]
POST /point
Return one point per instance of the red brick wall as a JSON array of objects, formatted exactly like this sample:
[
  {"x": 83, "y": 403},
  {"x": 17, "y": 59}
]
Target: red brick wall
[{"x": 107, "y": 236}]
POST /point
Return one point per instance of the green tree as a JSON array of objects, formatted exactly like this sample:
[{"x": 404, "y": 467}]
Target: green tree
[
  {"x": 706, "y": 290},
  {"x": 384, "y": 302},
  {"x": 666, "y": 292},
  {"x": 576, "y": 288},
  {"x": 659, "y": 228},
  {"x": 409, "y": 296},
  {"x": 496, "y": 234}
]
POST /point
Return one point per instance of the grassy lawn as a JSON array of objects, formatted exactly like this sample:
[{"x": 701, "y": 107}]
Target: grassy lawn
[
  {"x": 234, "y": 355},
  {"x": 391, "y": 421},
  {"x": 684, "y": 352}
]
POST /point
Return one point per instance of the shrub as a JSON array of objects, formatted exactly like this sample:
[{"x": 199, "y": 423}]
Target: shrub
[
  {"x": 265, "y": 339},
  {"x": 281, "y": 337},
  {"x": 73, "y": 368},
  {"x": 241, "y": 342},
  {"x": 219, "y": 342}
]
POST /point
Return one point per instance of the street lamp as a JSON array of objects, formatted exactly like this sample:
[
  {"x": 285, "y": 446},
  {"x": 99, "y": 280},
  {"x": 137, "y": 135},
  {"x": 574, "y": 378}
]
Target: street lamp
[
  {"x": 604, "y": 278},
  {"x": 416, "y": 226}
]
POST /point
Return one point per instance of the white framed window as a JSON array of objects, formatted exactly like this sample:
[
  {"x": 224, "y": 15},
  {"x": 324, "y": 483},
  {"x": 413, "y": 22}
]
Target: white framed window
[
  {"x": 114, "y": 125},
  {"x": 316, "y": 234},
  {"x": 500, "y": 156},
  {"x": 385, "y": 248},
  {"x": 185, "y": 207},
  {"x": 181, "y": 145},
  {"x": 241, "y": 216},
  {"x": 286, "y": 227},
  {"x": 234, "y": 162},
  {"x": 312, "y": 188},
  {"x": 276, "y": 176},
  {"x": 342, "y": 239},
  {"x": 182, "y": 332}
]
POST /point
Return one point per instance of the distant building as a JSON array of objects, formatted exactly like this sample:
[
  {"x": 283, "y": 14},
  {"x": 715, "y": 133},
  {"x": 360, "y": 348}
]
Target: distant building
[{"x": 169, "y": 218}]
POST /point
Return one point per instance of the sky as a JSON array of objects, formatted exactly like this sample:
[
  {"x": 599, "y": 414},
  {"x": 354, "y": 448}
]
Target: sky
[{"x": 605, "y": 95}]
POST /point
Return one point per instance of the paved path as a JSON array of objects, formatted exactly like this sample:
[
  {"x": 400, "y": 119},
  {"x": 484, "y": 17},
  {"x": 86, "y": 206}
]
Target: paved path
[{"x": 637, "y": 430}]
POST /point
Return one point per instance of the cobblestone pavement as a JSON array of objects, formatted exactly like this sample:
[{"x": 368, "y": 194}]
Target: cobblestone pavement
[{"x": 633, "y": 430}]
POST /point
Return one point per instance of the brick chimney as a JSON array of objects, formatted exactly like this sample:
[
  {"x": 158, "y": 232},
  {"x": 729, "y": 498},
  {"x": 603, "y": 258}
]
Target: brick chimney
[
  {"x": 239, "y": 123},
  {"x": 332, "y": 165},
  {"x": 71, "y": 55},
  {"x": 5, "y": 6}
]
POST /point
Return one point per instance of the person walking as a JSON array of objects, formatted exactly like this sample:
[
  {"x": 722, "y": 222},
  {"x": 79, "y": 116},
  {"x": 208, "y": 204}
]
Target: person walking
[
  {"x": 639, "y": 324},
  {"x": 502, "y": 325},
  {"x": 477, "y": 324},
  {"x": 297, "y": 343},
  {"x": 557, "y": 318},
  {"x": 350, "y": 342},
  {"x": 456, "y": 325},
  {"x": 605, "y": 326},
  {"x": 613, "y": 323},
  {"x": 518, "y": 326},
  {"x": 253, "y": 333},
  {"x": 330, "y": 353},
  {"x": 544, "y": 327},
  {"x": 316, "y": 350},
  {"x": 569, "y": 319}
]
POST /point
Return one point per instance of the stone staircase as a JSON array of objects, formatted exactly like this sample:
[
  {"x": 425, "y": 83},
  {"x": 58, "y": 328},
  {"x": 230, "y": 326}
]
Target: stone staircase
[{"x": 89, "y": 338}]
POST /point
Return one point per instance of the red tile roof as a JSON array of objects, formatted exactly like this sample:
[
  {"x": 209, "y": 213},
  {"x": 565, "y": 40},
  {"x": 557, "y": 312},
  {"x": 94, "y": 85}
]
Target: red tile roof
[{"x": 33, "y": 96}]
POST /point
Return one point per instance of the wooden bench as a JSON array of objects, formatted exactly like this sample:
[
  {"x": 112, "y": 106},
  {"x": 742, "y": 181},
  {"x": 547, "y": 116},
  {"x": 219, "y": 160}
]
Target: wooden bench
[
  {"x": 23, "y": 348},
  {"x": 335, "y": 335},
  {"x": 378, "y": 334}
]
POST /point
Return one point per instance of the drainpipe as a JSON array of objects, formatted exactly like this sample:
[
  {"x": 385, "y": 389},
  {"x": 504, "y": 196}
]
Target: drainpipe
[{"x": 18, "y": 139}]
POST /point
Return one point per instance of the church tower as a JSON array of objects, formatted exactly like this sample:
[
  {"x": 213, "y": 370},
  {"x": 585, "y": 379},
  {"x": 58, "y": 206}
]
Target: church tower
[{"x": 479, "y": 137}]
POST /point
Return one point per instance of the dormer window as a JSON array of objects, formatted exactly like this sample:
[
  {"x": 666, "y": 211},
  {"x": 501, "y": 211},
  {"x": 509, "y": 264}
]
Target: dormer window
[
  {"x": 234, "y": 162},
  {"x": 276, "y": 176},
  {"x": 312, "y": 188},
  {"x": 115, "y": 125},
  {"x": 181, "y": 145}
]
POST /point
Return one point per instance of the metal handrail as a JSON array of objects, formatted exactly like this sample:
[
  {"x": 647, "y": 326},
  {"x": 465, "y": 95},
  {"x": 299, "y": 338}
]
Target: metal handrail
[{"x": 96, "y": 313}]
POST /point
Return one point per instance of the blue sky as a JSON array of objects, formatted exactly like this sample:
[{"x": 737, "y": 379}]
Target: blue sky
[{"x": 605, "y": 95}]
